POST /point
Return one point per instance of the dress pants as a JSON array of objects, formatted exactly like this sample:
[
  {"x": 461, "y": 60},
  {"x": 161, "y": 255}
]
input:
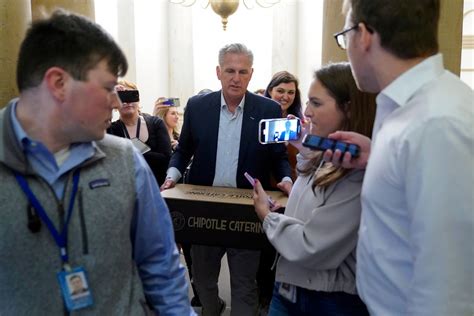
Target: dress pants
[{"x": 243, "y": 265}]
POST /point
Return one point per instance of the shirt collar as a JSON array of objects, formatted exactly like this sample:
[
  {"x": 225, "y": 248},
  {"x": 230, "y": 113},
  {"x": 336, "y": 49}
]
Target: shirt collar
[
  {"x": 19, "y": 132},
  {"x": 224, "y": 104},
  {"x": 405, "y": 86},
  {"x": 23, "y": 138}
]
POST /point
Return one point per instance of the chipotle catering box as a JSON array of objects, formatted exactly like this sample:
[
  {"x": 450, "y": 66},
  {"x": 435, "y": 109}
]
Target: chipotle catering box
[{"x": 217, "y": 216}]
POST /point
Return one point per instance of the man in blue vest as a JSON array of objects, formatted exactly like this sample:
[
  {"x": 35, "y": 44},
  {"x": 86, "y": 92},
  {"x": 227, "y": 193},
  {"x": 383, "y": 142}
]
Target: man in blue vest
[{"x": 74, "y": 202}]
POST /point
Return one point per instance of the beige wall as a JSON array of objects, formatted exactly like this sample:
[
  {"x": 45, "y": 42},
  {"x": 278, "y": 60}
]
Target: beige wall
[
  {"x": 333, "y": 22},
  {"x": 450, "y": 32},
  {"x": 14, "y": 18},
  {"x": 41, "y": 7}
]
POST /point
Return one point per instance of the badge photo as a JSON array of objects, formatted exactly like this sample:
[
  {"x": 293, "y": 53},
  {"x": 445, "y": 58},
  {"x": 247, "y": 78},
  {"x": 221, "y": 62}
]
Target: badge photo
[{"x": 75, "y": 289}]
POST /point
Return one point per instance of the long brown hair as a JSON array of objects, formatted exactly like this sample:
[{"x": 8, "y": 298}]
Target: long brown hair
[{"x": 359, "y": 111}]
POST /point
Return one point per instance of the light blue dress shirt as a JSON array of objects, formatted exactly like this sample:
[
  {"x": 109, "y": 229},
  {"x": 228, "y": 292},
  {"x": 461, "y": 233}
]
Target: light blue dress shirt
[
  {"x": 162, "y": 275},
  {"x": 228, "y": 145}
]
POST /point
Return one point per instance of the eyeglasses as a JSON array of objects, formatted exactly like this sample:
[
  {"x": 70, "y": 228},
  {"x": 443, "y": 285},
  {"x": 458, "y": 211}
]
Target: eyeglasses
[{"x": 340, "y": 37}]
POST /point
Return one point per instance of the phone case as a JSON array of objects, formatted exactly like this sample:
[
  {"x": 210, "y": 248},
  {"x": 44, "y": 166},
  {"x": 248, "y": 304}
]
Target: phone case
[
  {"x": 276, "y": 137},
  {"x": 322, "y": 144}
]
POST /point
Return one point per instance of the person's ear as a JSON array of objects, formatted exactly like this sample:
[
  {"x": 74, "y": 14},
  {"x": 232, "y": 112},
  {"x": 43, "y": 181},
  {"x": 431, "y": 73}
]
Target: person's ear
[
  {"x": 218, "y": 72},
  {"x": 366, "y": 36},
  {"x": 56, "y": 80}
]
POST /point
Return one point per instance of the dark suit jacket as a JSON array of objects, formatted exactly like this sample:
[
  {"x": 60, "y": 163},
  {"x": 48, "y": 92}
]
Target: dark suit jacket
[
  {"x": 199, "y": 139},
  {"x": 292, "y": 135}
]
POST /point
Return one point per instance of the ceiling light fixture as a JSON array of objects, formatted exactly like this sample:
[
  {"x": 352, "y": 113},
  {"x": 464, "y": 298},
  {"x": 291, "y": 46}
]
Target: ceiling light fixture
[{"x": 226, "y": 8}]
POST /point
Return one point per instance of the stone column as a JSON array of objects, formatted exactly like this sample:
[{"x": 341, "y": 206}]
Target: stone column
[
  {"x": 83, "y": 7},
  {"x": 450, "y": 34},
  {"x": 333, "y": 22},
  {"x": 15, "y": 15}
]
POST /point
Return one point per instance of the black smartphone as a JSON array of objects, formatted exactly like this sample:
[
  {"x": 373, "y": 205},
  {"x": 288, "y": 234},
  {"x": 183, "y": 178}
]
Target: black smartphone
[
  {"x": 278, "y": 130},
  {"x": 321, "y": 143},
  {"x": 129, "y": 96}
]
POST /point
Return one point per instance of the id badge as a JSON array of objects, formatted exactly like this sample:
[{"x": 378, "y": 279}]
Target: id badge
[
  {"x": 288, "y": 291},
  {"x": 75, "y": 288}
]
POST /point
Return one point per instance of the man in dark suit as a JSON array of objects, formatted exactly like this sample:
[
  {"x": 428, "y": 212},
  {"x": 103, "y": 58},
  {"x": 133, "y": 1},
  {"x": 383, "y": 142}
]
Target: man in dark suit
[
  {"x": 288, "y": 134},
  {"x": 220, "y": 132}
]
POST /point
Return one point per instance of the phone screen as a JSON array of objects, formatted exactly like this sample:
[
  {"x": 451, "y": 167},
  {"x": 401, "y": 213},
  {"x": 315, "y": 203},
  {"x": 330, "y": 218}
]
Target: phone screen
[{"x": 279, "y": 130}]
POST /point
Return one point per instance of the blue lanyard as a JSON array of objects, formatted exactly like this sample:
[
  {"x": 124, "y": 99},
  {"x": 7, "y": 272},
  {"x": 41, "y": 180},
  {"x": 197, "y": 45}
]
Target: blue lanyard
[{"x": 59, "y": 237}]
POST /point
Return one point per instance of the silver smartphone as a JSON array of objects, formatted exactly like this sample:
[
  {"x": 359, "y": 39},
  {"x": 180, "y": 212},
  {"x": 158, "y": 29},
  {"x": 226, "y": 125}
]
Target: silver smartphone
[{"x": 272, "y": 131}]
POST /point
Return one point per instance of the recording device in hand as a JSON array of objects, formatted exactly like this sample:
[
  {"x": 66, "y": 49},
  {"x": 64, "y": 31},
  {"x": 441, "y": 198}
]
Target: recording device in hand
[
  {"x": 279, "y": 130},
  {"x": 171, "y": 102},
  {"x": 251, "y": 180},
  {"x": 321, "y": 143},
  {"x": 129, "y": 96}
]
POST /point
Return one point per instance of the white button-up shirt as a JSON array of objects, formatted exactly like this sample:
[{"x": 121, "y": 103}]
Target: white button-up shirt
[{"x": 416, "y": 239}]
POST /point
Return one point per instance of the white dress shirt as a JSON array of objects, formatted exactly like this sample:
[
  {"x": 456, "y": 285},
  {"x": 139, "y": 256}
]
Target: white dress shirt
[{"x": 416, "y": 239}]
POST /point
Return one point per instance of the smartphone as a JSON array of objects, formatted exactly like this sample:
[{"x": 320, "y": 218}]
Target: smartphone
[
  {"x": 321, "y": 143},
  {"x": 251, "y": 180},
  {"x": 129, "y": 96},
  {"x": 171, "y": 102},
  {"x": 279, "y": 130}
]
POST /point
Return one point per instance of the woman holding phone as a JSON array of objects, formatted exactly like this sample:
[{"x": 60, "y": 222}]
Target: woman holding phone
[
  {"x": 316, "y": 237},
  {"x": 148, "y": 133},
  {"x": 169, "y": 115}
]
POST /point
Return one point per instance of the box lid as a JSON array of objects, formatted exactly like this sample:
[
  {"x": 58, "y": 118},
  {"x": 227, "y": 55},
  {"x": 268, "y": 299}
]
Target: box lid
[{"x": 218, "y": 194}]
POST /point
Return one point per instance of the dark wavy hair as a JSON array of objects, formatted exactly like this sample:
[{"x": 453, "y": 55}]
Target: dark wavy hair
[{"x": 286, "y": 77}]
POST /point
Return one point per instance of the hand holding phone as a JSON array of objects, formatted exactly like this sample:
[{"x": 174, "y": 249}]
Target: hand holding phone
[
  {"x": 321, "y": 143},
  {"x": 251, "y": 180}
]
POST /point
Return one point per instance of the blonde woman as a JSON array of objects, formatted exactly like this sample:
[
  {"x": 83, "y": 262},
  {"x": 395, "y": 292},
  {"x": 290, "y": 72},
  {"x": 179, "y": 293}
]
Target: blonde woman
[{"x": 169, "y": 115}]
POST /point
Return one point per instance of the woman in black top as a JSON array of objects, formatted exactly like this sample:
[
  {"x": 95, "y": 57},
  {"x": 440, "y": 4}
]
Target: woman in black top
[{"x": 143, "y": 129}]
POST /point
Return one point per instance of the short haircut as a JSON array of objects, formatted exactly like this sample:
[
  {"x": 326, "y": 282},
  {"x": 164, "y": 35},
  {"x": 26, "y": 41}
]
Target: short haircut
[
  {"x": 407, "y": 28},
  {"x": 74, "y": 276},
  {"x": 68, "y": 41},
  {"x": 286, "y": 77},
  {"x": 235, "y": 48}
]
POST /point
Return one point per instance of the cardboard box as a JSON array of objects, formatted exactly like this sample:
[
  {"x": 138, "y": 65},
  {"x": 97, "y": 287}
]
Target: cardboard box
[{"x": 217, "y": 216}]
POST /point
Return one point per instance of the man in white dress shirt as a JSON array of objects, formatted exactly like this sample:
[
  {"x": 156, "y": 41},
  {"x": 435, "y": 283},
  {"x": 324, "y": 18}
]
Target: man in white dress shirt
[{"x": 415, "y": 250}]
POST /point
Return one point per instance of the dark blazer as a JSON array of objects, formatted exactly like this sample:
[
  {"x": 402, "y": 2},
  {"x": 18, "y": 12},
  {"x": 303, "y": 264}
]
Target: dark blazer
[
  {"x": 199, "y": 134},
  {"x": 292, "y": 135},
  {"x": 158, "y": 141}
]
